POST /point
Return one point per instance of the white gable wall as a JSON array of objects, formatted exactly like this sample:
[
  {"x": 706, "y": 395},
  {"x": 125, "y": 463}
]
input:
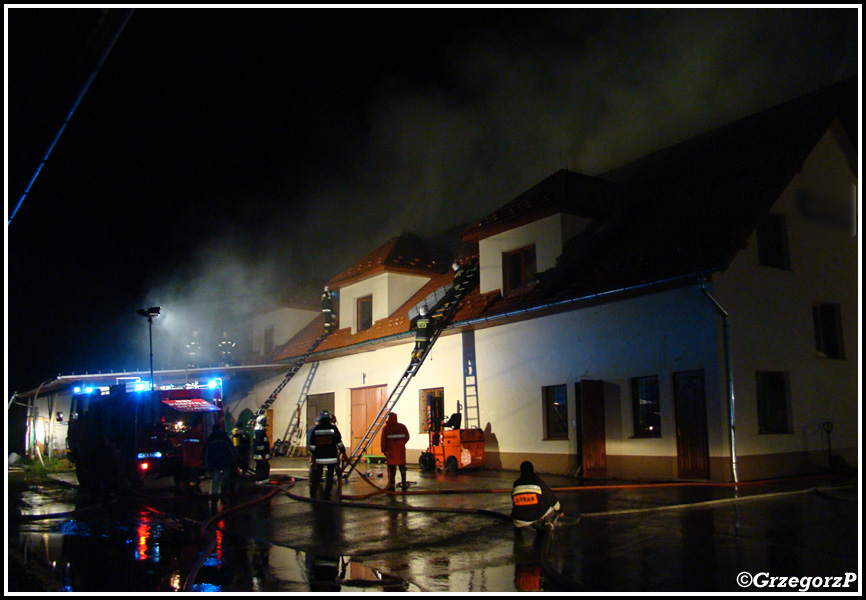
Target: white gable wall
[
  {"x": 548, "y": 235},
  {"x": 389, "y": 290},
  {"x": 772, "y": 329},
  {"x": 287, "y": 322}
]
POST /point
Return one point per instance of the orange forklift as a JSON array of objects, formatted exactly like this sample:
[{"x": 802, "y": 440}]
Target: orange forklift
[{"x": 450, "y": 448}]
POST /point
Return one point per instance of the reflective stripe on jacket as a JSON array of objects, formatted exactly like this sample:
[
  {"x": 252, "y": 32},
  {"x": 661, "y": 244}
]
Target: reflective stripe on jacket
[
  {"x": 394, "y": 438},
  {"x": 531, "y": 500},
  {"x": 326, "y": 444}
]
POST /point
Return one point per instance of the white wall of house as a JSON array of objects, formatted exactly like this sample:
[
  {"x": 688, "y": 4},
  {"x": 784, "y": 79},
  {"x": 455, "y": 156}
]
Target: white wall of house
[
  {"x": 657, "y": 334},
  {"x": 772, "y": 327},
  {"x": 389, "y": 290},
  {"x": 287, "y": 322},
  {"x": 46, "y": 429}
]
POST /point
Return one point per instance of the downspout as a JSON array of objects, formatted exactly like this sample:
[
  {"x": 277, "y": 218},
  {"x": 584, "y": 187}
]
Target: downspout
[{"x": 730, "y": 375}]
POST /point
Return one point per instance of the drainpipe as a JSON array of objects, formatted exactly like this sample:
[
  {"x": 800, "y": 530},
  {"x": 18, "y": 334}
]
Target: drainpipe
[{"x": 730, "y": 374}]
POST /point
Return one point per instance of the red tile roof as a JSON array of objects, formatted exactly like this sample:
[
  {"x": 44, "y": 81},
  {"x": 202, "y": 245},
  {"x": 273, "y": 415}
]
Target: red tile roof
[{"x": 405, "y": 253}]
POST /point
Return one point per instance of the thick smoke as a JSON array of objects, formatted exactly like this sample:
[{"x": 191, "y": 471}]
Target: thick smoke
[
  {"x": 218, "y": 291},
  {"x": 580, "y": 90},
  {"x": 584, "y": 90}
]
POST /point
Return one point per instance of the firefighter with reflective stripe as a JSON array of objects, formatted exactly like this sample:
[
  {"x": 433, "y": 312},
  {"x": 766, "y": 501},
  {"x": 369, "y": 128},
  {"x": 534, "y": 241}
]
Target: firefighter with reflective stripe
[
  {"x": 262, "y": 449},
  {"x": 423, "y": 334},
  {"x": 326, "y": 447},
  {"x": 394, "y": 438},
  {"x": 328, "y": 309},
  {"x": 533, "y": 502}
]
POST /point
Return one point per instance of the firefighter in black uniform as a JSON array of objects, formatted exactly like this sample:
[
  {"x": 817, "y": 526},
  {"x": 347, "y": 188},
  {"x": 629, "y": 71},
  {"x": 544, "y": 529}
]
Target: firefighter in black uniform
[
  {"x": 326, "y": 447},
  {"x": 423, "y": 335},
  {"x": 328, "y": 310},
  {"x": 533, "y": 502},
  {"x": 262, "y": 449},
  {"x": 225, "y": 347}
]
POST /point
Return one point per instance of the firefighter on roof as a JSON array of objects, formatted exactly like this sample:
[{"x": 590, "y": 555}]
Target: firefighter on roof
[
  {"x": 193, "y": 351},
  {"x": 225, "y": 347},
  {"x": 328, "y": 310},
  {"x": 423, "y": 334}
]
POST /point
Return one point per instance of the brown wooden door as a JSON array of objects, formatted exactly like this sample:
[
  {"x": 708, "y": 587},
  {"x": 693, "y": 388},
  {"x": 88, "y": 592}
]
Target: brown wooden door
[
  {"x": 690, "y": 403},
  {"x": 366, "y": 404},
  {"x": 591, "y": 428},
  {"x": 316, "y": 403}
]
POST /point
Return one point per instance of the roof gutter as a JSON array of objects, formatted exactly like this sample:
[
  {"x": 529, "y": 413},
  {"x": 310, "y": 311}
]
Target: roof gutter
[
  {"x": 730, "y": 375},
  {"x": 524, "y": 311}
]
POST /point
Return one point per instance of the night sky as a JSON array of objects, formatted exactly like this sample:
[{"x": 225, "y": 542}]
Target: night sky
[{"x": 224, "y": 157}]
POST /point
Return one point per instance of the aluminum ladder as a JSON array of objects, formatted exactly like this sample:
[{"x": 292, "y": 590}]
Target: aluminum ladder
[
  {"x": 296, "y": 366},
  {"x": 445, "y": 313}
]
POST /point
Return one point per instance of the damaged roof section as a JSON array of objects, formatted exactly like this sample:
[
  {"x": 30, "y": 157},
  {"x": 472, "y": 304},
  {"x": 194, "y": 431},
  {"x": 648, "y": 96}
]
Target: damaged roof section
[
  {"x": 679, "y": 213},
  {"x": 692, "y": 207},
  {"x": 563, "y": 192}
]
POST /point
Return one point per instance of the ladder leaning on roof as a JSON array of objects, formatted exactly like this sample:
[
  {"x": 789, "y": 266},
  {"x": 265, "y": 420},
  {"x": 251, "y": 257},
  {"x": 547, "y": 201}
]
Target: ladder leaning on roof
[
  {"x": 296, "y": 366},
  {"x": 443, "y": 312}
]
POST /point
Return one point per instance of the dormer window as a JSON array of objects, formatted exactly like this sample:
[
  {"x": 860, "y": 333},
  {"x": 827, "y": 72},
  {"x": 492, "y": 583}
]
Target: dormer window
[
  {"x": 364, "y": 312},
  {"x": 518, "y": 270}
]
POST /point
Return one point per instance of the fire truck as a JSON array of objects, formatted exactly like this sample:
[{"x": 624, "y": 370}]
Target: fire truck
[{"x": 129, "y": 433}]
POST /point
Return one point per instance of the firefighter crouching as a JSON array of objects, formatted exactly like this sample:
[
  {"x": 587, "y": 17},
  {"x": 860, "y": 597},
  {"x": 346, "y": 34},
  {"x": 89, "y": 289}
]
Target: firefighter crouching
[
  {"x": 533, "y": 502},
  {"x": 326, "y": 447},
  {"x": 261, "y": 449}
]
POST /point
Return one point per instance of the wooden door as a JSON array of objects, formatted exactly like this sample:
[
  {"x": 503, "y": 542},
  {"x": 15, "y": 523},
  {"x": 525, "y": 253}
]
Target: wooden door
[
  {"x": 690, "y": 403},
  {"x": 591, "y": 428},
  {"x": 316, "y": 403},
  {"x": 366, "y": 404}
]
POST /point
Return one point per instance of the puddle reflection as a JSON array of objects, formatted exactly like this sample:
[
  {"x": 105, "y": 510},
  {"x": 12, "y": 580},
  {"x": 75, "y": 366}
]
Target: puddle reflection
[{"x": 146, "y": 551}]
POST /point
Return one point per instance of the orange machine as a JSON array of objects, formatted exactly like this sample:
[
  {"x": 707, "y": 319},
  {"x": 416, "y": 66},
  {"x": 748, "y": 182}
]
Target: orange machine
[{"x": 450, "y": 448}]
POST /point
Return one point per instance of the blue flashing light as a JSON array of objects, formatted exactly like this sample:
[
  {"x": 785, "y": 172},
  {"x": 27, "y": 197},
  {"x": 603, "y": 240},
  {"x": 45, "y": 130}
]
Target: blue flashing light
[
  {"x": 143, "y": 455},
  {"x": 76, "y": 390},
  {"x": 214, "y": 383},
  {"x": 88, "y": 390},
  {"x": 142, "y": 386}
]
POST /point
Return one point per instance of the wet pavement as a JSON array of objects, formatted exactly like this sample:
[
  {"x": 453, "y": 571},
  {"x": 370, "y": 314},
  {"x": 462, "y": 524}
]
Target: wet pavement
[{"x": 448, "y": 533}]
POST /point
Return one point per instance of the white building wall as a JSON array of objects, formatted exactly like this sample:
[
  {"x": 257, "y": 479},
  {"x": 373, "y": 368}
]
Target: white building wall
[
  {"x": 772, "y": 328},
  {"x": 658, "y": 334},
  {"x": 287, "y": 322}
]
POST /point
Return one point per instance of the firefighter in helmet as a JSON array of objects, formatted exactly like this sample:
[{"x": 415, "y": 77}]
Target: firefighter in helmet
[
  {"x": 423, "y": 334},
  {"x": 328, "y": 310},
  {"x": 533, "y": 502},
  {"x": 326, "y": 447},
  {"x": 241, "y": 441},
  {"x": 261, "y": 449}
]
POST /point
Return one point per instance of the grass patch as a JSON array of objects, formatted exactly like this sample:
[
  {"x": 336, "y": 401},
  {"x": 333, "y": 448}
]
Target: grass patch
[{"x": 33, "y": 467}]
